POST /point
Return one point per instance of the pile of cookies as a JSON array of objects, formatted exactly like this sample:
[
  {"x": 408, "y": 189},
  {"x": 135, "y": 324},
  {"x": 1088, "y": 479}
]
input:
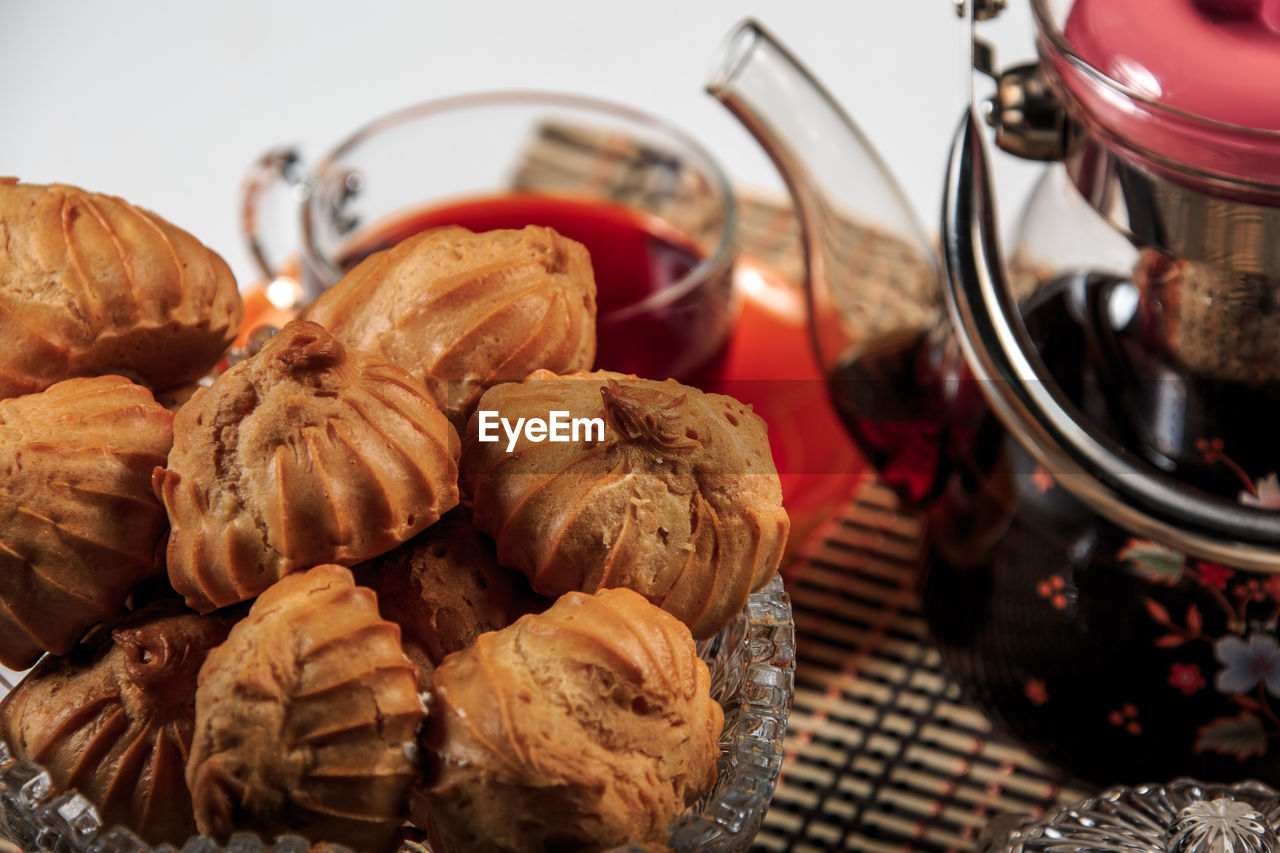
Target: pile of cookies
[{"x": 309, "y": 596}]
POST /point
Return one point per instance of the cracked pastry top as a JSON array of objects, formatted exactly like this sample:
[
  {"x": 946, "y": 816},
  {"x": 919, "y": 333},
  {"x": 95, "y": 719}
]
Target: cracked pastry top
[
  {"x": 463, "y": 311},
  {"x": 585, "y": 727},
  {"x": 305, "y": 718},
  {"x": 79, "y": 523},
  {"x": 680, "y": 502},
  {"x": 92, "y": 285},
  {"x": 113, "y": 719},
  {"x": 309, "y": 452}
]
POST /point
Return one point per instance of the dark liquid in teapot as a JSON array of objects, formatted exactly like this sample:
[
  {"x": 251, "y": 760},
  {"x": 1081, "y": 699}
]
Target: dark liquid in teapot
[
  {"x": 907, "y": 402},
  {"x": 1114, "y": 657},
  {"x": 889, "y": 401},
  {"x": 893, "y": 399}
]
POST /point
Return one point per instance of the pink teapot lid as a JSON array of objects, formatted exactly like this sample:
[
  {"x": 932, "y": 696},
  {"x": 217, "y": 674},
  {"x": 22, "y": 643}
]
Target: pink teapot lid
[{"x": 1191, "y": 86}]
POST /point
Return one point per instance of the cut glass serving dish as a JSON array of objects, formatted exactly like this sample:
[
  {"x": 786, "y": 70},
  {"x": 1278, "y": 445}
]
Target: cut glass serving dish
[
  {"x": 752, "y": 665},
  {"x": 1184, "y": 816}
]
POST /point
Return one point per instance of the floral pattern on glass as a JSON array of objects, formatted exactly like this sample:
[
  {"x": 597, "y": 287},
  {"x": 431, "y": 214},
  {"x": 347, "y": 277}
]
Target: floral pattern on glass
[{"x": 1248, "y": 654}]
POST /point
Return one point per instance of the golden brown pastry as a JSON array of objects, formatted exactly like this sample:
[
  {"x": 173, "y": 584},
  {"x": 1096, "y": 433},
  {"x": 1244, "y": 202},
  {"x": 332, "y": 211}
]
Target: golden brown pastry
[
  {"x": 464, "y": 311},
  {"x": 581, "y": 728},
  {"x": 305, "y": 718},
  {"x": 307, "y": 453},
  {"x": 444, "y": 588},
  {"x": 680, "y": 501},
  {"x": 113, "y": 720},
  {"x": 79, "y": 524},
  {"x": 91, "y": 285}
]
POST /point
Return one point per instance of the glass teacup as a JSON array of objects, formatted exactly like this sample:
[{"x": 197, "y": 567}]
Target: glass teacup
[{"x": 650, "y": 204}]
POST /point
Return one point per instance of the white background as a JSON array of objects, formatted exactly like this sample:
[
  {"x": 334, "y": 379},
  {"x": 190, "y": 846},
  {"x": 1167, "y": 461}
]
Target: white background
[{"x": 166, "y": 103}]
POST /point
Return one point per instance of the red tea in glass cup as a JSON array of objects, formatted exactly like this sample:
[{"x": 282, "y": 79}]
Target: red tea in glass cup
[{"x": 653, "y": 209}]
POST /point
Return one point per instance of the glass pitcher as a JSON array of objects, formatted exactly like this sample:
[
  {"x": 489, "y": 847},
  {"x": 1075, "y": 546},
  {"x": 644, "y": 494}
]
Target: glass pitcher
[{"x": 1116, "y": 612}]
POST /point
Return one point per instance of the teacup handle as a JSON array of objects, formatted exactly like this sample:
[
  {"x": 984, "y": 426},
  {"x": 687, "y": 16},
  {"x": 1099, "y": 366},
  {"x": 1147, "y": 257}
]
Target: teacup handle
[{"x": 277, "y": 171}]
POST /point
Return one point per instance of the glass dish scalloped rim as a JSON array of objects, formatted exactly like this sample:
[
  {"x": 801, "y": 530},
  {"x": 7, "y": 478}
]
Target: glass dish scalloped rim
[
  {"x": 1053, "y": 829},
  {"x": 752, "y": 666}
]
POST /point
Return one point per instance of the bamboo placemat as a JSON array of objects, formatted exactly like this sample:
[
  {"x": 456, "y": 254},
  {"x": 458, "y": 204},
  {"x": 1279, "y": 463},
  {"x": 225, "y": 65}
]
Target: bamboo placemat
[{"x": 882, "y": 751}]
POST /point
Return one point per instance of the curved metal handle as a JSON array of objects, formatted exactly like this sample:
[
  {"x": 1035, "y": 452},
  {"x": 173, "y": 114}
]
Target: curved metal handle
[
  {"x": 275, "y": 170},
  {"x": 1094, "y": 468}
]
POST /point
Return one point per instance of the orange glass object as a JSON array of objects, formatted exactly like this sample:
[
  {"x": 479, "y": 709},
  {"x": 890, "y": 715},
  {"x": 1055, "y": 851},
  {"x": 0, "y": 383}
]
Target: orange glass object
[{"x": 770, "y": 364}]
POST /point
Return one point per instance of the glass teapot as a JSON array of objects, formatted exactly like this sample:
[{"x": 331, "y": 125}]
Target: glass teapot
[{"x": 1085, "y": 427}]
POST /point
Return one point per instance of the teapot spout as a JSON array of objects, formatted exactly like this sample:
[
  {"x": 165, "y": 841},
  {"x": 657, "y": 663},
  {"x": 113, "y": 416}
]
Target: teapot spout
[
  {"x": 872, "y": 279},
  {"x": 852, "y": 213}
]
